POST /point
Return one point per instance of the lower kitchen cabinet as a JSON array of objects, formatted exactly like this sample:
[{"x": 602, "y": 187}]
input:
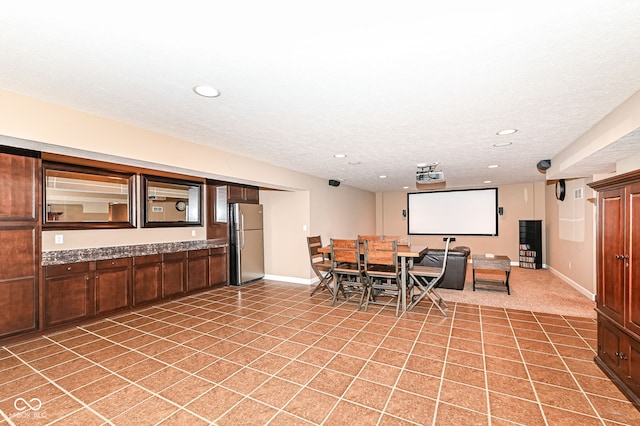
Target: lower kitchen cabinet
[
  {"x": 174, "y": 273},
  {"x": 112, "y": 285},
  {"x": 198, "y": 272},
  {"x": 218, "y": 266},
  {"x": 147, "y": 278},
  {"x": 68, "y": 293}
]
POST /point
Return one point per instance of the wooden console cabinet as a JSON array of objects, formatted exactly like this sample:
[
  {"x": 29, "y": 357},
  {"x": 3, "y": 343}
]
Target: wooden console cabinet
[
  {"x": 68, "y": 293},
  {"x": 20, "y": 230},
  {"x": 618, "y": 281}
]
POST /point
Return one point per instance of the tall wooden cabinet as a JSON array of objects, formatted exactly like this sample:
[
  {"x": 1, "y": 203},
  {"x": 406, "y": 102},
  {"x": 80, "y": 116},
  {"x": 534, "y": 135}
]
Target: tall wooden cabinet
[
  {"x": 618, "y": 281},
  {"x": 20, "y": 229}
]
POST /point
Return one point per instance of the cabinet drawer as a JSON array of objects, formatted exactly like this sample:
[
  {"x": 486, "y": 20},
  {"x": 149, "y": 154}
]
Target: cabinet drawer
[
  {"x": 113, "y": 263},
  {"x": 217, "y": 250},
  {"x": 198, "y": 253},
  {"x": 68, "y": 269},
  {"x": 180, "y": 255},
  {"x": 143, "y": 260}
]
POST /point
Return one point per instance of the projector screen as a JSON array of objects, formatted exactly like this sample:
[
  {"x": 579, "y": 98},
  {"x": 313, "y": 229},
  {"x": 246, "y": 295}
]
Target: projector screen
[{"x": 456, "y": 212}]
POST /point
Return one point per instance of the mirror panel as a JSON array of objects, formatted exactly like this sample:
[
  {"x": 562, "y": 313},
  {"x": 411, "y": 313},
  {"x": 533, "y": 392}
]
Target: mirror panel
[
  {"x": 171, "y": 202},
  {"x": 77, "y": 197}
]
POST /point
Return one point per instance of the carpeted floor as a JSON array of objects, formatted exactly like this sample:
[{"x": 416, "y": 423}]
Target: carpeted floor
[{"x": 531, "y": 290}]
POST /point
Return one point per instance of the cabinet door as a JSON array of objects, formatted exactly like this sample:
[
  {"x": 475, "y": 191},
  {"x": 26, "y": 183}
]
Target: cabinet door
[
  {"x": 611, "y": 342},
  {"x": 251, "y": 195},
  {"x": 18, "y": 280},
  {"x": 19, "y": 187},
  {"x": 611, "y": 268},
  {"x": 113, "y": 281},
  {"x": 218, "y": 267},
  {"x": 173, "y": 274},
  {"x": 147, "y": 280},
  {"x": 198, "y": 272},
  {"x": 632, "y": 264},
  {"x": 68, "y": 297}
]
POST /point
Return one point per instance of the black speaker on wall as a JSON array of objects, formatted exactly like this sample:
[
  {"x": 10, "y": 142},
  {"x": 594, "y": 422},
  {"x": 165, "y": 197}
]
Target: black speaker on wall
[{"x": 334, "y": 182}]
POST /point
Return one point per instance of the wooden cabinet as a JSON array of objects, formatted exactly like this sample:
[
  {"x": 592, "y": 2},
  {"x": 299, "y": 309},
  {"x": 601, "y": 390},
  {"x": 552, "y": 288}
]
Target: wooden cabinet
[
  {"x": 112, "y": 285},
  {"x": 147, "y": 278},
  {"x": 198, "y": 269},
  {"x": 243, "y": 194},
  {"x": 174, "y": 273},
  {"x": 68, "y": 293},
  {"x": 618, "y": 281},
  {"x": 20, "y": 236},
  {"x": 218, "y": 266}
]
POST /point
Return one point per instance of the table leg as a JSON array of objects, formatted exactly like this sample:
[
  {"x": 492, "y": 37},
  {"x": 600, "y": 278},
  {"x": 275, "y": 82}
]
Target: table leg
[
  {"x": 473, "y": 272},
  {"x": 403, "y": 278}
]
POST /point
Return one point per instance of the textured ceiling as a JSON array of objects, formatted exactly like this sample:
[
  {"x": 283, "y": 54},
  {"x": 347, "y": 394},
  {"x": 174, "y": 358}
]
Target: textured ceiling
[{"x": 389, "y": 84}]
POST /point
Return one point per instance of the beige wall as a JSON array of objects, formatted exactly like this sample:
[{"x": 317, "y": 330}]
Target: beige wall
[
  {"x": 571, "y": 235},
  {"x": 310, "y": 201},
  {"x": 521, "y": 201}
]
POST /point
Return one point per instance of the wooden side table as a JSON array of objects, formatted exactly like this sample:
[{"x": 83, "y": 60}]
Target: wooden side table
[{"x": 496, "y": 263}]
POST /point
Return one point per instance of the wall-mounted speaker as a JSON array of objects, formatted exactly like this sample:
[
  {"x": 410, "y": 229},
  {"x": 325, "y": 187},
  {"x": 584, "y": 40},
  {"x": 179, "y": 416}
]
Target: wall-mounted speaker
[
  {"x": 334, "y": 182},
  {"x": 543, "y": 165}
]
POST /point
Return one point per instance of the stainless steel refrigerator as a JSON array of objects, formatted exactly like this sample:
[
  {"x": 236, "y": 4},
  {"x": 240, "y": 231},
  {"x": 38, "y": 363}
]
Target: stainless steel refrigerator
[{"x": 247, "y": 243}]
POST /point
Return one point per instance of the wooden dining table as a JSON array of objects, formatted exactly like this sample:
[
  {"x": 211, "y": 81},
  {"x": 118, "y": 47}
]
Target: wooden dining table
[{"x": 406, "y": 256}]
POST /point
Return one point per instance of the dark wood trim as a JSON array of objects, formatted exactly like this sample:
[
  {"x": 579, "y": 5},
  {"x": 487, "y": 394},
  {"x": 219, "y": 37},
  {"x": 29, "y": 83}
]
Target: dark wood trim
[{"x": 617, "y": 181}]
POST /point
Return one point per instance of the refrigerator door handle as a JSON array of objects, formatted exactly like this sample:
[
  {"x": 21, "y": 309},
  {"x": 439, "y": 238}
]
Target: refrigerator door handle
[{"x": 241, "y": 231}]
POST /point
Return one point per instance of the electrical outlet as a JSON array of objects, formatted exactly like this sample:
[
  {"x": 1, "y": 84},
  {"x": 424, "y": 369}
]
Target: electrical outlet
[
  {"x": 193, "y": 232},
  {"x": 59, "y": 239}
]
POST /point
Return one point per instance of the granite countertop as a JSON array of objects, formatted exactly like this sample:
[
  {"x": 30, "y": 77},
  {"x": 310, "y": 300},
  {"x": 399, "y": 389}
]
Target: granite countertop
[{"x": 59, "y": 257}]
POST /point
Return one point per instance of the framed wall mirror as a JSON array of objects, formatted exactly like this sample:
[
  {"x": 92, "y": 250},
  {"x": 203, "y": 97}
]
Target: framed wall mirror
[
  {"x": 77, "y": 197},
  {"x": 171, "y": 202}
]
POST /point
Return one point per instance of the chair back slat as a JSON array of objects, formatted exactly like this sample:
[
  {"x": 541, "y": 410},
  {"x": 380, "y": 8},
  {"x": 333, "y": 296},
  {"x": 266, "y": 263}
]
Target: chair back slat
[
  {"x": 380, "y": 252},
  {"x": 363, "y": 238},
  {"x": 345, "y": 251}
]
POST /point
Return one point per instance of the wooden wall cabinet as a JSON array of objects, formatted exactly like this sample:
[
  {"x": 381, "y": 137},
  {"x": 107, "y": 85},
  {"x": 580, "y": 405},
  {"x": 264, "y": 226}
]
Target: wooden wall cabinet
[
  {"x": 68, "y": 293},
  {"x": 618, "y": 281},
  {"x": 20, "y": 231},
  {"x": 243, "y": 194}
]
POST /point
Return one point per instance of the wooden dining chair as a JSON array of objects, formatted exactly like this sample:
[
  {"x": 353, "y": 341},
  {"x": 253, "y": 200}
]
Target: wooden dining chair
[
  {"x": 424, "y": 280},
  {"x": 382, "y": 272},
  {"x": 320, "y": 264},
  {"x": 363, "y": 238},
  {"x": 346, "y": 270}
]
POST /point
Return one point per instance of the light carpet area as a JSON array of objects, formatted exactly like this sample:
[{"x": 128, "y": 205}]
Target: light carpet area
[{"x": 536, "y": 290}]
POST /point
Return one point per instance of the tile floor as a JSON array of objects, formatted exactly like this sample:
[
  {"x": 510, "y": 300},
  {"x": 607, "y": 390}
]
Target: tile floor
[{"x": 267, "y": 353}]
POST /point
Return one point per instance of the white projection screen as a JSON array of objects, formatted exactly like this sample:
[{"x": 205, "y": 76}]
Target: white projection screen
[{"x": 455, "y": 212}]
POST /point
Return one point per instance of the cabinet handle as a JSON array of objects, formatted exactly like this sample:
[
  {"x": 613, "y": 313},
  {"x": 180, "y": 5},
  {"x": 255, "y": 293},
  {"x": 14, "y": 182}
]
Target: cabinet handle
[
  {"x": 68, "y": 268},
  {"x": 621, "y": 356}
]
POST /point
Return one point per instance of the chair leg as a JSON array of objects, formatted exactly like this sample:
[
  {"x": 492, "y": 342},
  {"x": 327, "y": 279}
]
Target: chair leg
[{"x": 324, "y": 283}]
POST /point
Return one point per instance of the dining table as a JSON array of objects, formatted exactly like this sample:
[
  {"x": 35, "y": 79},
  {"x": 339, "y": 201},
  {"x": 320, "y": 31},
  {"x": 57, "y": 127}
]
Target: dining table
[{"x": 406, "y": 255}]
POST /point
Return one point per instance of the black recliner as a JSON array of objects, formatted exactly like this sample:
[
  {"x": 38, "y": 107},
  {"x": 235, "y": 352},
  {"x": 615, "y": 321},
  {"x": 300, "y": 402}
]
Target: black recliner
[{"x": 456, "y": 271}]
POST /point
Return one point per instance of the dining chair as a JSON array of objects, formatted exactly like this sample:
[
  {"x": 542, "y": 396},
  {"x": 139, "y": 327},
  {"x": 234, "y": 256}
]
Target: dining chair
[
  {"x": 320, "y": 264},
  {"x": 382, "y": 272},
  {"x": 424, "y": 280},
  {"x": 363, "y": 238},
  {"x": 346, "y": 270}
]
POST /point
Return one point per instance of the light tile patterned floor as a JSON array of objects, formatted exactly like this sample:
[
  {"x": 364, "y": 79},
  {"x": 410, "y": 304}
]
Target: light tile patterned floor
[{"x": 267, "y": 353}]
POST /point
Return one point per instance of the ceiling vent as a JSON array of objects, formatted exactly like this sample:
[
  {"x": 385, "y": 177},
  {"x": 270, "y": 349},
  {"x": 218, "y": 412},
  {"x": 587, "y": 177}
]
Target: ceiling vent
[{"x": 429, "y": 174}]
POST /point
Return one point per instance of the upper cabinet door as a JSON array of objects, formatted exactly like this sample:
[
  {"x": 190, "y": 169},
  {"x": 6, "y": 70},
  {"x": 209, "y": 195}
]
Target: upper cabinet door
[{"x": 19, "y": 183}]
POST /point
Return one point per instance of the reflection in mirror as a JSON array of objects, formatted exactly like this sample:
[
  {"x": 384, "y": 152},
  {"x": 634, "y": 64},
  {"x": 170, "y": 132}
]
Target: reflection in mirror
[
  {"x": 171, "y": 202},
  {"x": 78, "y": 198}
]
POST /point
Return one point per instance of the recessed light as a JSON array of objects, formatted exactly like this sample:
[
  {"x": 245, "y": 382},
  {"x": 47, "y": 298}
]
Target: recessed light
[
  {"x": 382, "y": 176},
  {"x": 340, "y": 155},
  {"x": 487, "y": 181},
  {"x": 405, "y": 187},
  {"x": 493, "y": 166},
  {"x": 354, "y": 163},
  {"x": 501, "y": 144},
  {"x": 506, "y": 132},
  {"x": 206, "y": 91}
]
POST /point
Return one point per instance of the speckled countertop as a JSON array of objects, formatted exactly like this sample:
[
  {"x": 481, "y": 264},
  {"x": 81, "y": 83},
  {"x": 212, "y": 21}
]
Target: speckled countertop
[{"x": 59, "y": 257}]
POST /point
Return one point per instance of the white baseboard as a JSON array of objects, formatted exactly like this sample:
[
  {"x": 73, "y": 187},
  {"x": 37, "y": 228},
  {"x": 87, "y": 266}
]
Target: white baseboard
[
  {"x": 573, "y": 284},
  {"x": 290, "y": 279}
]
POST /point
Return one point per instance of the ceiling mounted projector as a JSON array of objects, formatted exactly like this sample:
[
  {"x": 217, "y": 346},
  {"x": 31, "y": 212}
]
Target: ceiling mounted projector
[{"x": 429, "y": 174}]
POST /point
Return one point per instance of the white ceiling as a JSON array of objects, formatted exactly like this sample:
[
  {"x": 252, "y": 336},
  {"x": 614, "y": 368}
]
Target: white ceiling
[{"x": 390, "y": 84}]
